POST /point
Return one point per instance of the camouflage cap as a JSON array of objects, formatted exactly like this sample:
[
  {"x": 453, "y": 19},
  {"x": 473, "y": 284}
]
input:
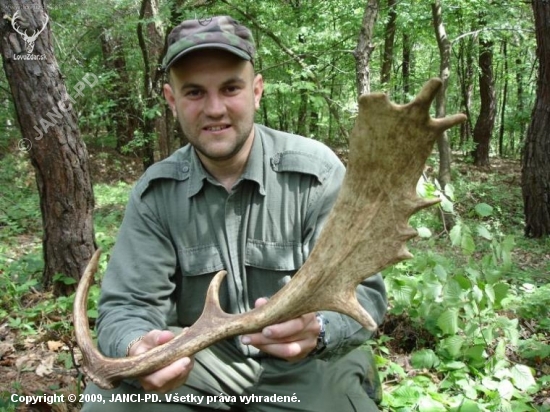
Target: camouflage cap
[{"x": 219, "y": 32}]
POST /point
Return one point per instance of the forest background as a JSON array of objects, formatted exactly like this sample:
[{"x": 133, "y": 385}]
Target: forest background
[{"x": 467, "y": 328}]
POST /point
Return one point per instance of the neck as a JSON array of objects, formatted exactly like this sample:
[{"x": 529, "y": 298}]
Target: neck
[{"x": 228, "y": 171}]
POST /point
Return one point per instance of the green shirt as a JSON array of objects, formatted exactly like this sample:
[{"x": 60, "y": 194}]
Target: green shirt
[{"x": 181, "y": 227}]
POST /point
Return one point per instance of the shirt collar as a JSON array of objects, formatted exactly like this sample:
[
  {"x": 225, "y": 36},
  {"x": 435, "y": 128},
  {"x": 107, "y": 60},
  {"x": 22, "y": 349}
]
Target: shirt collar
[{"x": 255, "y": 167}]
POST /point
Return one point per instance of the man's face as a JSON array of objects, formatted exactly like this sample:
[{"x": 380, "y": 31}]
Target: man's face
[{"x": 214, "y": 95}]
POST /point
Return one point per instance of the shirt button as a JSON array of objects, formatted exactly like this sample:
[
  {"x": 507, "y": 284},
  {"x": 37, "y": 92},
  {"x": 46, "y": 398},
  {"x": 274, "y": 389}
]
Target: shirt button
[{"x": 185, "y": 169}]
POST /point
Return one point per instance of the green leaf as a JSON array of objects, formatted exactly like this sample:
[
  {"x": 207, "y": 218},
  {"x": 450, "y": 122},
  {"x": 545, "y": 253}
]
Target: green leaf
[
  {"x": 450, "y": 191},
  {"x": 454, "y": 365},
  {"x": 501, "y": 291},
  {"x": 484, "y": 232},
  {"x": 448, "y": 321},
  {"x": 424, "y": 232},
  {"x": 484, "y": 210},
  {"x": 522, "y": 377},
  {"x": 506, "y": 389},
  {"x": 427, "y": 404},
  {"x": 424, "y": 359},
  {"x": 93, "y": 313},
  {"x": 467, "y": 243},
  {"x": 446, "y": 205},
  {"x": 453, "y": 293},
  {"x": 456, "y": 234},
  {"x": 469, "y": 406},
  {"x": 476, "y": 353},
  {"x": 440, "y": 272},
  {"x": 403, "y": 293},
  {"x": 453, "y": 345}
]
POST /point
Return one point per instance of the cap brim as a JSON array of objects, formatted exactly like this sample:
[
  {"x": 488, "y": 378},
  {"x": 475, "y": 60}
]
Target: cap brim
[{"x": 243, "y": 55}]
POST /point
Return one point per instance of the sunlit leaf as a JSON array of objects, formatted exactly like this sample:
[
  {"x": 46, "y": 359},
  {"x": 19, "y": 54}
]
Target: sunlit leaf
[{"x": 522, "y": 377}]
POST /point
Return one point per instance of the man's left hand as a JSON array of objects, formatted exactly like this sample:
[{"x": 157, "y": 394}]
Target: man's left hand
[{"x": 292, "y": 340}]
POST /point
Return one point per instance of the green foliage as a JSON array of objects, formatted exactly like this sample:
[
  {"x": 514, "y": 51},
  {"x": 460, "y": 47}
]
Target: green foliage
[
  {"x": 464, "y": 300},
  {"x": 24, "y": 305}
]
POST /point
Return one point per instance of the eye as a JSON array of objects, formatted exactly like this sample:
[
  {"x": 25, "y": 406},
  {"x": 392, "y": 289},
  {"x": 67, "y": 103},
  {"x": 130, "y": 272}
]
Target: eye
[
  {"x": 193, "y": 93},
  {"x": 232, "y": 89}
]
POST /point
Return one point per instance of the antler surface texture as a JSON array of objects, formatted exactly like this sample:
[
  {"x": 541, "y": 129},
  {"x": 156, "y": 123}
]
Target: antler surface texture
[{"x": 366, "y": 232}]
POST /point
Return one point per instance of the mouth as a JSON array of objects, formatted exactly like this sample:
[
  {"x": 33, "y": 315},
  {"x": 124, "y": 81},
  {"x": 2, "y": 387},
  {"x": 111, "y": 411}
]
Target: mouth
[{"x": 216, "y": 128}]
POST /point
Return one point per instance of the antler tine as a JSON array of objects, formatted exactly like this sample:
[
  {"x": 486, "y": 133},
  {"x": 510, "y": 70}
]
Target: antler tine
[
  {"x": 14, "y": 23},
  {"x": 366, "y": 231}
]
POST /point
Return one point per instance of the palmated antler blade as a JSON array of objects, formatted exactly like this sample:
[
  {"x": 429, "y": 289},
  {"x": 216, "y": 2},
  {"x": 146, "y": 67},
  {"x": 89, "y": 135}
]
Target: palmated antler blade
[
  {"x": 368, "y": 226},
  {"x": 365, "y": 232}
]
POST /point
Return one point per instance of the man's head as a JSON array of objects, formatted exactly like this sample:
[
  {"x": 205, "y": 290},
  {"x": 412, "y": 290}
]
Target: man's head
[{"x": 213, "y": 90}]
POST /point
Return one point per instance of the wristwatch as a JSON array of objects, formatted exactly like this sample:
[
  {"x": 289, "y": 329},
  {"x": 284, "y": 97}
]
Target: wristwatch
[{"x": 323, "y": 338}]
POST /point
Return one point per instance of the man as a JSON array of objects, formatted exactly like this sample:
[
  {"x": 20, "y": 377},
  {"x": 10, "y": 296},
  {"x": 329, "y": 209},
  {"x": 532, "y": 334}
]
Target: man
[{"x": 239, "y": 197}]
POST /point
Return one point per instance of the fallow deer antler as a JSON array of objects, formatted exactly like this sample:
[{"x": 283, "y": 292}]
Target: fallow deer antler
[{"x": 365, "y": 232}]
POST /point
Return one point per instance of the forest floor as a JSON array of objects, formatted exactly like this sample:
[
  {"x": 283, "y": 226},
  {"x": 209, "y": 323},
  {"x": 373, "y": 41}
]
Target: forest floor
[{"x": 42, "y": 362}]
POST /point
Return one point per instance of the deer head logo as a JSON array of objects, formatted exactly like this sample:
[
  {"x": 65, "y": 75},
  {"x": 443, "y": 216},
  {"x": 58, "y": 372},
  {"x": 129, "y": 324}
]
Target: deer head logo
[{"x": 29, "y": 40}]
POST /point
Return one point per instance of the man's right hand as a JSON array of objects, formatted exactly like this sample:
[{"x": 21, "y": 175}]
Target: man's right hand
[{"x": 168, "y": 378}]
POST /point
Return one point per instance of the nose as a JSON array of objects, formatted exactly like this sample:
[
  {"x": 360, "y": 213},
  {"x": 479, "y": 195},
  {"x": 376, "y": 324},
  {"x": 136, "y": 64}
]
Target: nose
[{"x": 214, "y": 106}]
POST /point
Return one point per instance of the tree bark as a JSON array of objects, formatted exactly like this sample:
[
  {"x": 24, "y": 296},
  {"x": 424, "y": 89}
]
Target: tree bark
[
  {"x": 535, "y": 177},
  {"x": 486, "y": 120},
  {"x": 123, "y": 114},
  {"x": 49, "y": 129},
  {"x": 151, "y": 80},
  {"x": 444, "y": 45},
  {"x": 466, "y": 78},
  {"x": 364, "y": 48},
  {"x": 389, "y": 40},
  {"x": 407, "y": 47},
  {"x": 504, "y": 99}
]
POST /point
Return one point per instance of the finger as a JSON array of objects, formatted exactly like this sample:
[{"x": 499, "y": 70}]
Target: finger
[
  {"x": 170, "y": 377},
  {"x": 164, "y": 336},
  {"x": 260, "y": 302},
  {"x": 292, "y": 351},
  {"x": 151, "y": 340},
  {"x": 303, "y": 326}
]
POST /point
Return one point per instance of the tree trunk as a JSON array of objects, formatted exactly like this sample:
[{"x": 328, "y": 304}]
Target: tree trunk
[
  {"x": 406, "y": 65},
  {"x": 504, "y": 98},
  {"x": 486, "y": 120},
  {"x": 49, "y": 129},
  {"x": 389, "y": 39},
  {"x": 123, "y": 114},
  {"x": 466, "y": 78},
  {"x": 444, "y": 45},
  {"x": 535, "y": 177},
  {"x": 365, "y": 47}
]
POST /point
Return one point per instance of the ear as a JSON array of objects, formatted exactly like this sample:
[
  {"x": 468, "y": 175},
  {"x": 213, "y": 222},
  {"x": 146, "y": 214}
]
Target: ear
[
  {"x": 258, "y": 90},
  {"x": 170, "y": 98}
]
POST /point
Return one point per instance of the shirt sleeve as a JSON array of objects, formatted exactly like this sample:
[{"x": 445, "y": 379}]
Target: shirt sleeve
[
  {"x": 138, "y": 283},
  {"x": 344, "y": 333}
]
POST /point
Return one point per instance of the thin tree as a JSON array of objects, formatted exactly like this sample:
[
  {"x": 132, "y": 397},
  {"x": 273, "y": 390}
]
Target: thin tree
[
  {"x": 364, "y": 48},
  {"x": 444, "y": 45},
  {"x": 50, "y": 132},
  {"x": 485, "y": 123},
  {"x": 389, "y": 40},
  {"x": 535, "y": 177}
]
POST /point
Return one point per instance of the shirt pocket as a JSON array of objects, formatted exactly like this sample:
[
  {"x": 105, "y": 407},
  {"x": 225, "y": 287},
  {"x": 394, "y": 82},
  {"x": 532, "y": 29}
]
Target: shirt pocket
[
  {"x": 198, "y": 265},
  {"x": 270, "y": 265}
]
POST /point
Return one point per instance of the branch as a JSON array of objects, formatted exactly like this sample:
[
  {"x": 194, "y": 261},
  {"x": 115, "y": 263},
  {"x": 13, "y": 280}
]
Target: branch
[{"x": 331, "y": 105}]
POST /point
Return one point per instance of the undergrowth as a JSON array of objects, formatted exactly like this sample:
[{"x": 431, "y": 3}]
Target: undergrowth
[{"x": 467, "y": 328}]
